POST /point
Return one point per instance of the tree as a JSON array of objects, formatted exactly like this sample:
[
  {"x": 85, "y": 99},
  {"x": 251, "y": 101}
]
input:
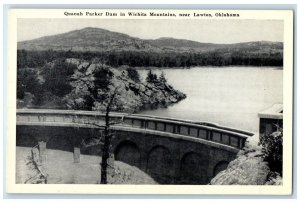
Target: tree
[
  {"x": 151, "y": 77},
  {"x": 101, "y": 94},
  {"x": 107, "y": 140},
  {"x": 162, "y": 78},
  {"x": 272, "y": 149},
  {"x": 57, "y": 76},
  {"x": 133, "y": 74},
  {"x": 106, "y": 136},
  {"x": 27, "y": 81}
]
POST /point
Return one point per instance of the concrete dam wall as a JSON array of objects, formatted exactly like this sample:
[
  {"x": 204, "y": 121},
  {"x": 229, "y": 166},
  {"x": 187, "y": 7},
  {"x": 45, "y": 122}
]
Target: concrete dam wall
[{"x": 170, "y": 151}]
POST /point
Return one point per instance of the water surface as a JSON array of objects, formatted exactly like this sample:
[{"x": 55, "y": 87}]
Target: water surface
[{"x": 230, "y": 96}]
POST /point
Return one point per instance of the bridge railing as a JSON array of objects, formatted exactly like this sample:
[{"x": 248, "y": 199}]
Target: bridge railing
[{"x": 207, "y": 131}]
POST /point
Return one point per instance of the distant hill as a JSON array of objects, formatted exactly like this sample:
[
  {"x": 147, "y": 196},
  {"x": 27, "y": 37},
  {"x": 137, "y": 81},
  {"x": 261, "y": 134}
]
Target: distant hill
[
  {"x": 87, "y": 39},
  {"x": 97, "y": 39},
  {"x": 117, "y": 49},
  {"x": 173, "y": 43}
]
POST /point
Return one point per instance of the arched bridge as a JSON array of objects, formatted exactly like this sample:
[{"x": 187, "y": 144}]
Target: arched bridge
[{"x": 170, "y": 150}]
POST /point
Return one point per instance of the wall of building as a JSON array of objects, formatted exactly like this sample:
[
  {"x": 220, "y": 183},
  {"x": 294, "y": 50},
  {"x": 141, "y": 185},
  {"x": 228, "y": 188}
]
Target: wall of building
[{"x": 269, "y": 125}]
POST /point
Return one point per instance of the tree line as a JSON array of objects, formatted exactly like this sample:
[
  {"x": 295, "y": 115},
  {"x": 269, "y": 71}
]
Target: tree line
[{"x": 114, "y": 58}]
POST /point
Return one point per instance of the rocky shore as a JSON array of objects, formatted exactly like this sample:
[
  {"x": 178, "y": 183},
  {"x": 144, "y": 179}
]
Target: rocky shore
[
  {"x": 88, "y": 85},
  {"x": 131, "y": 96}
]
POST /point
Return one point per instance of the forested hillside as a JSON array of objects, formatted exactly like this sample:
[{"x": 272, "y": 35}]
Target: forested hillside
[{"x": 117, "y": 49}]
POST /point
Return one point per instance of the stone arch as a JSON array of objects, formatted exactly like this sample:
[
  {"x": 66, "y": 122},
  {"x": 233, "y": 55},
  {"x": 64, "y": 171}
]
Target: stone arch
[
  {"x": 26, "y": 140},
  {"x": 159, "y": 163},
  {"x": 128, "y": 152},
  {"x": 60, "y": 142},
  {"x": 220, "y": 166},
  {"x": 91, "y": 146},
  {"x": 193, "y": 169}
]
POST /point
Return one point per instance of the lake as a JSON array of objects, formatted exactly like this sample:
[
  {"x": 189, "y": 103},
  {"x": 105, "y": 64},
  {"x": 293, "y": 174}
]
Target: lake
[{"x": 229, "y": 96}]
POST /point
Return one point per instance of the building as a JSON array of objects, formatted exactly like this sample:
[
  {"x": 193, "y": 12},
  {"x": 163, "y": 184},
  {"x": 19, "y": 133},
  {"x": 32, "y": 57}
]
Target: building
[{"x": 270, "y": 119}]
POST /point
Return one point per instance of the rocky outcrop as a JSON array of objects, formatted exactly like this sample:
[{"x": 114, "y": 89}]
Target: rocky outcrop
[
  {"x": 249, "y": 168},
  {"x": 94, "y": 83}
]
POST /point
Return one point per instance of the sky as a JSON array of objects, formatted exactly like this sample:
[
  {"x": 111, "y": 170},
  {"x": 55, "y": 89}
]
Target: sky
[{"x": 207, "y": 31}]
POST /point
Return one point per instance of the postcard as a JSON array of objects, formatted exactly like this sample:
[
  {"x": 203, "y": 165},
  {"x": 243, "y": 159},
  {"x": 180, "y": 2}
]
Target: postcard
[{"x": 150, "y": 101}]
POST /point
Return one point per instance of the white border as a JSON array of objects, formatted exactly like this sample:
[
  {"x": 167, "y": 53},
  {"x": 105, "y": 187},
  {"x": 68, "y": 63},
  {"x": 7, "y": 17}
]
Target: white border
[{"x": 285, "y": 189}]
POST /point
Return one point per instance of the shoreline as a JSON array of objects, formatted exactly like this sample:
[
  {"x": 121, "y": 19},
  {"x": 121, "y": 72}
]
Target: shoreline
[{"x": 192, "y": 67}]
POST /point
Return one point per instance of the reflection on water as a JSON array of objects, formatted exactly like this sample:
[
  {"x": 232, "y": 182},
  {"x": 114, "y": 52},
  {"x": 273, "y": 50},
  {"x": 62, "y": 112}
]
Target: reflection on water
[{"x": 230, "y": 96}]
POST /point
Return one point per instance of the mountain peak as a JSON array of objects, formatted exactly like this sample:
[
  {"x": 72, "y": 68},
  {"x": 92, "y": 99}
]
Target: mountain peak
[
  {"x": 86, "y": 39},
  {"x": 89, "y": 29},
  {"x": 98, "y": 39}
]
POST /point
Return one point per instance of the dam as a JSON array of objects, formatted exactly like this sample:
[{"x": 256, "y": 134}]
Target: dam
[{"x": 171, "y": 151}]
